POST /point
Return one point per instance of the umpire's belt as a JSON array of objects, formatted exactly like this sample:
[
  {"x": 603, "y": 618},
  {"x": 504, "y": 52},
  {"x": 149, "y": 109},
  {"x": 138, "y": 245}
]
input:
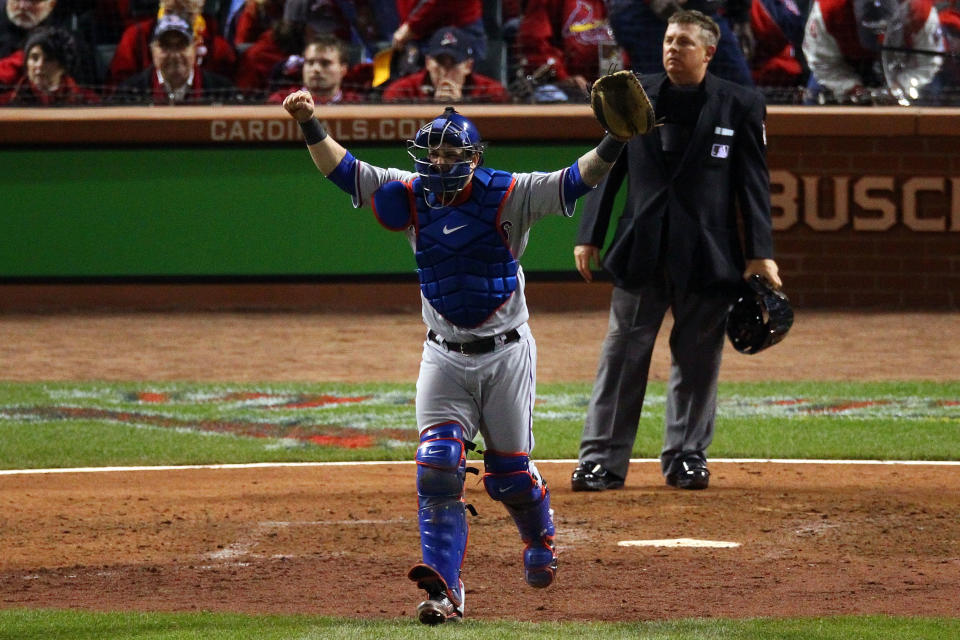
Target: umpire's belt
[{"x": 484, "y": 345}]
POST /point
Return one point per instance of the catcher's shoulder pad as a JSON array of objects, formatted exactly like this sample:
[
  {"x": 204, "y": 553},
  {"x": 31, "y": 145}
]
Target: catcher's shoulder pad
[
  {"x": 621, "y": 105},
  {"x": 393, "y": 205}
]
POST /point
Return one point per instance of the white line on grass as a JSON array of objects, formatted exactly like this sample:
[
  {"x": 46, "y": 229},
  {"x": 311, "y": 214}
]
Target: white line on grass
[{"x": 262, "y": 465}]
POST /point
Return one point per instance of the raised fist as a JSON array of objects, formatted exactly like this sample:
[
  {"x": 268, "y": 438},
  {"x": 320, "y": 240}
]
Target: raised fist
[{"x": 299, "y": 105}]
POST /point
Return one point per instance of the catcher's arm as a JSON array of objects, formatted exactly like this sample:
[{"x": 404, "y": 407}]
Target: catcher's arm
[
  {"x": 596, "y": 163},
  {"x": 325, "y": 151}
]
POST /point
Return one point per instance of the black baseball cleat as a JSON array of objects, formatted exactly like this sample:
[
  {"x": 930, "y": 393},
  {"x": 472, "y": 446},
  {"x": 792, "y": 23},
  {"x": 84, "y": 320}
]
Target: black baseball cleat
[
  {"x": 593, "y": 477},
  {"x": 690, "y": 473},
  {"x": 439, "y": 607}
]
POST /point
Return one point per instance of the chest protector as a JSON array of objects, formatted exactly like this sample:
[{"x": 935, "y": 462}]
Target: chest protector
[{"x": 465, "y": 267}]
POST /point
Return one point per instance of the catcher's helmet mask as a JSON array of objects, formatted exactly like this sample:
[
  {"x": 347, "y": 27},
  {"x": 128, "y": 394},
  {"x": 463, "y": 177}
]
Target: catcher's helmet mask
[
  {"x": 443, "y": 178},
  {"x": 760, "y": 318}
]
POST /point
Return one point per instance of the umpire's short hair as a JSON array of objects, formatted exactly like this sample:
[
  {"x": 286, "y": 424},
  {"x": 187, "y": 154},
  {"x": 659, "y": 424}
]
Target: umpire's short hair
[{"x": 709, "y": 28}]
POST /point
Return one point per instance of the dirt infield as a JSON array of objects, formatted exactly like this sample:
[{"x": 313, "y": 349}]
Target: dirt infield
[
  {"x": 814, "y": 539},
  {"x": 256, "y": 347}
]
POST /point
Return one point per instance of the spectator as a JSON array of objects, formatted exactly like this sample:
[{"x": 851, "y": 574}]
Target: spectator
[
  {"x": 174, "y": 76},
  {"x": 266, "y": 65},
  {"x": 230, "y": 17},
  {"x": 51, "y": 56},
  {"x": 18, "y": 19},
  {"x": 448, "y": 76},
  {"x": 111, "y": 18},
  {"x": 913, "y": 75},
  {"x": 354, "y": 22},
  {"x": 268, "y": 57},
  {"x": 251, "y": 20},
  {"x": 639, "y": 27},
  {"x": 776, "y": 58},
  {"x": 322, "y": 70},
  {"x": 567, "y": 42},
  {"x": 134, "y": 51},
  {"x": 950, "y": 74},
  {"x": 842, "y": 42},
  {"x": 420, "y": 19},
  {"x": 511, "y": 15}
]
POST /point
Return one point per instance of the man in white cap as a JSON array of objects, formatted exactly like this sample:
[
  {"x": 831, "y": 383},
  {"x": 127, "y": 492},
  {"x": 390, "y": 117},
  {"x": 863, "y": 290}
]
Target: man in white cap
[{"x": 174, "y": 77}]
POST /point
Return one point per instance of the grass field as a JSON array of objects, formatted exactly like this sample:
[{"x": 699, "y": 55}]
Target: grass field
[
  {"x": 64, "y": 625},
  {"x": 94, "y": 424},
  {"x": 67, "y": 425}
]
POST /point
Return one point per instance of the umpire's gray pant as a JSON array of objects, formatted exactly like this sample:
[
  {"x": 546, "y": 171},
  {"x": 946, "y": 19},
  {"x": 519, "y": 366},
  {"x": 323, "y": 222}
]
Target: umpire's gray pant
[{"x": 696, "y": 345}]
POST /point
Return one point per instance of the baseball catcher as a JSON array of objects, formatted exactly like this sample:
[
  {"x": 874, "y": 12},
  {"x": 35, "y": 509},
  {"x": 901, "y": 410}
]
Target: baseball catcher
[{"x": 467, "y": 225}]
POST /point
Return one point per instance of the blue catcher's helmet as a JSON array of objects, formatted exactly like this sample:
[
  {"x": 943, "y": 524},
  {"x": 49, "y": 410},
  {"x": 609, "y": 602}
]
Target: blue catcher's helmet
[{"x": 445, "y": 172}]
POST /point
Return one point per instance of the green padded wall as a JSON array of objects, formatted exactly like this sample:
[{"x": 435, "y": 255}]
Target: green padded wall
[{"x": 202, "y": 211}]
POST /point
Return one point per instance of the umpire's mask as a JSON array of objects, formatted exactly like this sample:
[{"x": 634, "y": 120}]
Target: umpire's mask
[{"x": 760, "y": 318}]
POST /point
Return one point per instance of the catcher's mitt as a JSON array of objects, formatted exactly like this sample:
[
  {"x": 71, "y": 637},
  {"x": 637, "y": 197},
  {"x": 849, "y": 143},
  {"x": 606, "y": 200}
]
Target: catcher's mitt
[{"x": 621, "y": 105}]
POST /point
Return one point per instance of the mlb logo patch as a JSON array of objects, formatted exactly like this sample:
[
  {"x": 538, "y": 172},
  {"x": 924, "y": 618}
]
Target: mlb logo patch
[{"x": 720, "y": 150}]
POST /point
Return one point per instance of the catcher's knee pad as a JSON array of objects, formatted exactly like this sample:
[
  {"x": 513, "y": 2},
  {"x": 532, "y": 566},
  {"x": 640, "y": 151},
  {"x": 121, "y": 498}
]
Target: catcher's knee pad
[
  {"x": 513, "y": 480},
  {"x": 441, "y": 464},
  {"x": 510, "y": 479}
]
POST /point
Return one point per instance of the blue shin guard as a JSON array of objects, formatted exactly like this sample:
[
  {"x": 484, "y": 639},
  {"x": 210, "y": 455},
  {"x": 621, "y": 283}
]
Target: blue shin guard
[
  {"x": 441, "y": 468},
  {"x": 514, "y": 481}
]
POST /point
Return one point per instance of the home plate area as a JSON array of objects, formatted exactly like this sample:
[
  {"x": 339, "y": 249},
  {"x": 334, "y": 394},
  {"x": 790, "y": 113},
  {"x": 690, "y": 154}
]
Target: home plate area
[{"x": 680, "y": 542}]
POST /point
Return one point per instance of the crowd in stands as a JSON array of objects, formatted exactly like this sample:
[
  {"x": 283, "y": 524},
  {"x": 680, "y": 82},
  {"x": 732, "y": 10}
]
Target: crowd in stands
[{"x": 136, "y": 52}]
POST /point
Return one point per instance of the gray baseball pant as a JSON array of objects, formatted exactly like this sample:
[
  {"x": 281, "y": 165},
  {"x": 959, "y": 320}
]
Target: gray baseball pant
[{"x": 696, "y": 345}]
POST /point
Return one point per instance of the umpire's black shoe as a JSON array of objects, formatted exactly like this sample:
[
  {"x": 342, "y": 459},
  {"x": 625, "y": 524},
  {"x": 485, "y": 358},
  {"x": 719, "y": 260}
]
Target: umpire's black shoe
[
  {"x": 593, "y": 477},
  {"x": 689, "y": 473}
]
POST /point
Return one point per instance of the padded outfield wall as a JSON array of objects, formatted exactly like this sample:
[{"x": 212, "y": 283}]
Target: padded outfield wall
[{"x": 125, "y": 206}]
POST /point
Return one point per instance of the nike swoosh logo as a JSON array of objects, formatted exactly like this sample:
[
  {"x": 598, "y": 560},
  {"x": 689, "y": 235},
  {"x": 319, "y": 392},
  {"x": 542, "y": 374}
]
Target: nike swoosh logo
[{"x": 447, "y": 231}]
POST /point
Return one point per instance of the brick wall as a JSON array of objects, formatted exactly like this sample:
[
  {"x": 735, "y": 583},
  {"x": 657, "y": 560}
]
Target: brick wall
[
  {"x": 867, "y": 211},
  {"x": 898, "y": 269}
]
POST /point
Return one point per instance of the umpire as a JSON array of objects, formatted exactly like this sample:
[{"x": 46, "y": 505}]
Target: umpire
[{"x": 677, "y": 246}]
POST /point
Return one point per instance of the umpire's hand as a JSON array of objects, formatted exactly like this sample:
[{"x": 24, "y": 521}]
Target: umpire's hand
[
  {"x": 299, "y": 105},
  {"x": 583, "y": 254},
  {"x": 766, "y": 268}
]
